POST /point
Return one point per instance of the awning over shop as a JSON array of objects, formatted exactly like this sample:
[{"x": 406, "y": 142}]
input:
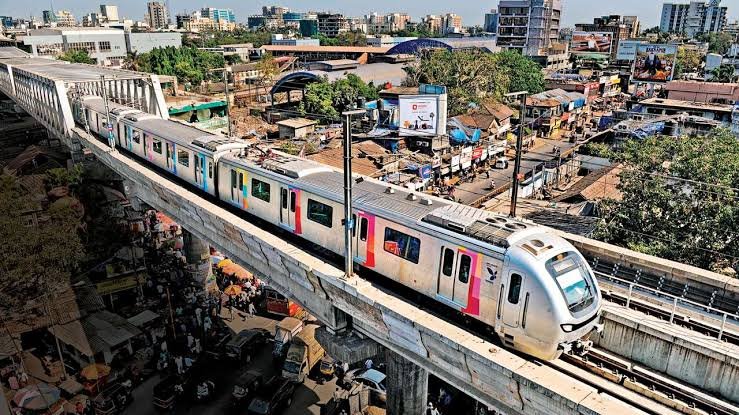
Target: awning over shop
[
  {"x": 95, "y": 333},
  {"x": 143, "y": 318}
]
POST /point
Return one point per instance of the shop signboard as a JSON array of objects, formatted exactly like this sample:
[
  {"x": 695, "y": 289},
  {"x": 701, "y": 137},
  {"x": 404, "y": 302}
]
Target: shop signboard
[{"x": 590, "y": 43}]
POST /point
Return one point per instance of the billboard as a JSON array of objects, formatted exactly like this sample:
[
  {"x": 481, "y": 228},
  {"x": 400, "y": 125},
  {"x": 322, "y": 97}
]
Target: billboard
[
  {"x": 584, "y": 43},
  {"x": 654, "y": 63},
  {"x": 627, "y": 50},
  {"x": 419, "y": 115}
]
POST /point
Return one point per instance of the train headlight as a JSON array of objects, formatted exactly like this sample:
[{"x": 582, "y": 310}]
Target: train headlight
[{"x": 567, "y": 327}]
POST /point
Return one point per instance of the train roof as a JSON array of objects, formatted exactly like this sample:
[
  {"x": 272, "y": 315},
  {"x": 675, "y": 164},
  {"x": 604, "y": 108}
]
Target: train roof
[
  {"x": 172, "y": 131},
  {"x": 404, "y": 204}
]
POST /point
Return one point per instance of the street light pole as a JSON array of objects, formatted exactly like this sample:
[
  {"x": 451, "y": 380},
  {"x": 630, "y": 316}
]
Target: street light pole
[
  {"x": 228, "y": 106},
  {"x": 348, "y": 221},
  {"x": 519, "y": 145}
]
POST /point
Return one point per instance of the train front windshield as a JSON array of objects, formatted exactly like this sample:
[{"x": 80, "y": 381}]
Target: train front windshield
[{"x": 573, "y": 279}]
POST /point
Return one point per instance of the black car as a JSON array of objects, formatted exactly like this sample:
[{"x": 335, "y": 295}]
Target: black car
[
  {"x": 168, "y": 391},
  {"x": 273, "y": 397},
  {"x": 243, "y": 345},
  {"x": 246, "y": 387},
  {"x": 216, "y": 346},
  {"x": 112, "y": 400}
]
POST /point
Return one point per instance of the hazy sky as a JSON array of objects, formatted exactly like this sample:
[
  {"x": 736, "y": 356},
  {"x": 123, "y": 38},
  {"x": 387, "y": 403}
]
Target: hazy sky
[{"x": 472, "y": 11}]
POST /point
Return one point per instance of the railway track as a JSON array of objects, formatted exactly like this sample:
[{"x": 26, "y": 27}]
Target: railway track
[{"x": 655, "y": 387}]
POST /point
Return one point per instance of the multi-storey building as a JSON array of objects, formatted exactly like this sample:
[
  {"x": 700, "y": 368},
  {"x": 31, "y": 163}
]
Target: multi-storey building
[
  {"x": 218, "y": 15},
  {"x": 531, "y": 26},
  {"x": 65, "y": 18},
  {"x": 386, "y": 23},
  {"x": 156, "y": 15},
  {"x": 491, "y": 21},
  {"x": 433, "y": 23},
  {"x": 694, "y": 18},
  {"x": 332, "y": 24},
  {"x": 452, "y": 23},
  {"x": 274, "y": 10},
  {"x": 108, "y": 13}
]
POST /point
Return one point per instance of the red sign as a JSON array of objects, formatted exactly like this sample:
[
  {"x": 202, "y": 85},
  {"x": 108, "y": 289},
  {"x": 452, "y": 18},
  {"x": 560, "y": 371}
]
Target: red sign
[{"x": 477, "y": 153}]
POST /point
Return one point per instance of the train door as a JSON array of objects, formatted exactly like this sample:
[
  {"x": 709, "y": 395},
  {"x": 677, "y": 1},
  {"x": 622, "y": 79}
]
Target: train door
[
  {"x": 364, "y": 234},
  {"x": 511, "y": 298},
  {"x": 238, "y": 189},
  {"x": 170, "y": 156},
  {"x": 454, "y": 275},
  {"x": 198, "y": 169},
  {"x": 289, "y": 206}
]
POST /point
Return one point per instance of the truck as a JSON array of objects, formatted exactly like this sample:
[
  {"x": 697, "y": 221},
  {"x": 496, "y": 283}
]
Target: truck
[
  {"x": 304, "y": 353},
  {"x": 286, "y": 329}
]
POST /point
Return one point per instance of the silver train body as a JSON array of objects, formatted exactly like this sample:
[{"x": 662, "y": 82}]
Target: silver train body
[{"x": 530, "y": 286}]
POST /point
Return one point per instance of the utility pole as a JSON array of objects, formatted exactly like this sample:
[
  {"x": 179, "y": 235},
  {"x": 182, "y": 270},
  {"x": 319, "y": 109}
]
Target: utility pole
[
  {"x": 348, "y": 218},
  {"x": 519, "y": 146},
  {"x": 228, "y": 107},
  {"x": 108, "y": 124}
]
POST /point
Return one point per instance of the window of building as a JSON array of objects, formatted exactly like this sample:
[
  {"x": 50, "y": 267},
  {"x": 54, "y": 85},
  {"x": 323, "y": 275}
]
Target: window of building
[
  {"x": 157, "y": 146},
  {"x": 183, "y": 157},
  {"x": 88, "y": 46},
  {"x": 320, "y": 213},
  {"x": 260, "y": 190},
  {"x": 49, "y": 49},
  {"x": 402, "y": 245},
  {"x": 104, "y": 46}
]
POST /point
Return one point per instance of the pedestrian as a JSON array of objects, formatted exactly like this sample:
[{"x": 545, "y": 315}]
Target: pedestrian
[
  {"x": 199, "y": 316},
  {"x": 13, "y": 382},
  {"x": 207, "y": 324},
  {"x": 368, "y": 364},
  {"x": 178, "y": 362},
  {"x": 430, "y": 410},
  {"x": 23, "y": 378},
  {"x": 196, "y": 347},
  {"x": 492, "y": 185},
  {"x": 487, "y": 174},
  {"x": 252, "y": 309},
  {"x": 230, "y": 310},
  {"x": 188, "y": 362},
  {"x": 190, "y": 340},
  {"x": 163, "y": 346}
]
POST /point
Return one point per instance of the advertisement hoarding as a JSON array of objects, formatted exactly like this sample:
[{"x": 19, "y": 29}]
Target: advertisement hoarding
[
  {"x": 627, "y": 50},
  {"x": 654, "y": 63},
  {"x": 419, "y": 115},
  {"x": 584, "y": 43}
]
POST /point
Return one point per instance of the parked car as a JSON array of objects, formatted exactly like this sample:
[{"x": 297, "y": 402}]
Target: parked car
[
  {"x": 501, "y": 163},
  {"x": 217, "y": 346},
  {"x": 168, "y": 391},
  {"x": 273, "y": 397},
  {"x": 243, "y": 345},
  {"x": 327, "y": 367},
  {"x": 373, "y": 379},
  {"x": 112, "y": 400},
  {"x": 246, "y": 387}
]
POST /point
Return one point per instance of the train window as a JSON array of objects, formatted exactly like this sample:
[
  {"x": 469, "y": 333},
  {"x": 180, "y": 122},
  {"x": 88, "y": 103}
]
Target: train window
[
  {"x": 260, "y": 190},
  {"x": 465, "y": 266},
  {"x": 402, "y": 245},
  {"x": 183, "y": 157},
  {"x": 320, "y": 213},
  {"x": 210, "y": 170},
  {"x": 284, "y": 198},
  {"x": 136, "y": 137},
  {"x": 354, "y": 225},
  {"x": 447, "y": 265},
  {"x": 241, "y": 181},
  {"x": 233, "y": 179},
  {"x": 573, "y": 278},
  {"x": 514, "y": 291},
  {"x": 293, "y": 199},
  {"x": 156, "y": 145},
  {"x": 363, "y": 229}
]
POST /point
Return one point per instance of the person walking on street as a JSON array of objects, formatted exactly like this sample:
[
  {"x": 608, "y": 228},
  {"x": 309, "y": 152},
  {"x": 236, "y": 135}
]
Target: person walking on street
[
  {"x": 368, "y": 364},
  {"x": 178, "y": 363},
  {"x": 252, "y": 309},
  {"x": 431, "y": 410},
  {"x": 492, "y": 185}
]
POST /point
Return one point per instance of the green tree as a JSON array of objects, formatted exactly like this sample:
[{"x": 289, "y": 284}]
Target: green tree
[
  {"x": 233, "y": 59},
  {"x": 724, "y": 73},
  {"x": 327, "y": 41},
  {"x": 268, "y": 69},
  {"x": 470, "y": 76},
  {"x": 353, "y": 38},
  {"x": 688, "y": 60},
  {"x": 133, "y": 61},
  {"x": 329, "y": 99},
  {"x": 523, "y": 73},
  {"x": 718, "y": 42},
  {"x": 188, "y": 64},
  {"x": 77, "y": 56},
  {"x": 319, "y": 99},
  {"x": 36, "y": 259},
  {"x": 679, "y": 199},
  {"x": 652, "y": 30}
]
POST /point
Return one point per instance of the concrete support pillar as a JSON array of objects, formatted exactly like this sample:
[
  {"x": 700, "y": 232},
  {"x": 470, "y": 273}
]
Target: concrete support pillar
[
  {"x": 197, "y": 253},
  {"x": 407, "y": 386}
]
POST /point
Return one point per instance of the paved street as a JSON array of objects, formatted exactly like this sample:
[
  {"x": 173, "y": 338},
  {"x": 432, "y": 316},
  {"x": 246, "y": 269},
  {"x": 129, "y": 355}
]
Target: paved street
[{"x": 307, "y": 399}]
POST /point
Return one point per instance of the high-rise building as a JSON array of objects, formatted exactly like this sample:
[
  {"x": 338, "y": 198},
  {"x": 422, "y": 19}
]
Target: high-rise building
[
  {"x": 91, "y": 20},
  {"x": 108, "y": 13},
  {"x": 49, "y": 17},
  {"x": 156, "y": 15},
  {"x": 452, "y": 23},
  {"x": 531, "y": 26},
  {"x": 274, "y": 10},
  {"x": 491, "y": 21},
  {"x": 433, "y": 23},
  {"x": 332, "y": 24},
  {"x": 218, "y": 15},
  {"x": 694, "y": 18},
  {"x": 386, "y": 23}
]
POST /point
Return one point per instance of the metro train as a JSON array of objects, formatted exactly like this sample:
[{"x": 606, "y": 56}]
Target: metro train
[{"x": 527, "y": 284}]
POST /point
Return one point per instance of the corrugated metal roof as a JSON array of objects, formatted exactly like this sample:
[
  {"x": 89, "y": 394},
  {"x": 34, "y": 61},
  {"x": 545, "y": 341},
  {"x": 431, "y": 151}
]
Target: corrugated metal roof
[{"x": 325, "y": 49}]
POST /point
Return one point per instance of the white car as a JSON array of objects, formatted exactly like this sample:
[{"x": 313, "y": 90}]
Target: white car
[
  {"x": 501, "y": 163},
  {"x": 373, "y": 379}
]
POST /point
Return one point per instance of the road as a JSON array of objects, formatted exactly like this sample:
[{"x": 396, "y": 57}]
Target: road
[{"x": 307, "y": 399}]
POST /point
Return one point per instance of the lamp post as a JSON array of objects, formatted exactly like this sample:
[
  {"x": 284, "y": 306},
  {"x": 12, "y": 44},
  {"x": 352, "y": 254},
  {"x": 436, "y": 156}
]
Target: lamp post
[
  {"x": 348, "y": 221},
  {"x": 519, "y": 145}
]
